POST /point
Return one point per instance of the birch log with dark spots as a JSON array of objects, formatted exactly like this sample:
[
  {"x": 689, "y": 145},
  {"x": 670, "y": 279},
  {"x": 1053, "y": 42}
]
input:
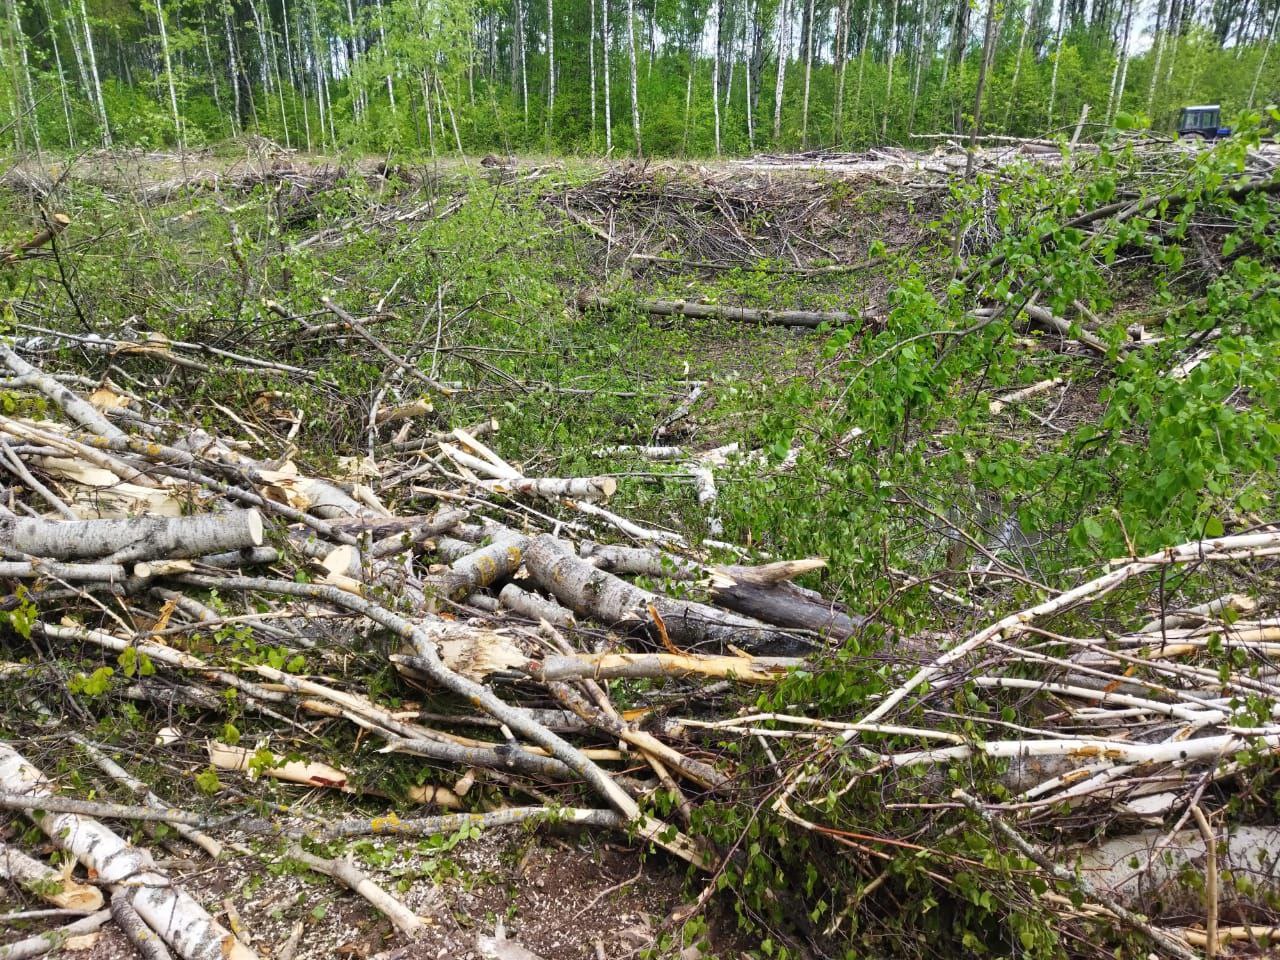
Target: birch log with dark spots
[
  {"x": 764, "y": 592},
  {"x": 185, "y": 925},
  {"x": 136, "y": 538},
  {"x": 591, "y": 592}
]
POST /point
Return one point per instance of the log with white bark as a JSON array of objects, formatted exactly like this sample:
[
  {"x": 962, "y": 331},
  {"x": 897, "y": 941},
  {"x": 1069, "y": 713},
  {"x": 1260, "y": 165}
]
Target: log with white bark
[
  {"x": 1148, "y": 871},
  {"x": 45, "y": 882},
  {"x": 172, "y": 913},
  {"x": 134, "y": 927},
  {"x": 534, "y": 606},
  {"x": 592, "y": 592},
  {"x": 64, "y": 938},
  {"x": 763, "y": 592},
  {"x": 346, "y": 872},
  {"x": 75, "y": 407},
  {"x": 636, "y": 666},
  {"x": 712, "y": 311},
  {"x": 140, "y": 538},
  {"x": 553, "y": 488}
]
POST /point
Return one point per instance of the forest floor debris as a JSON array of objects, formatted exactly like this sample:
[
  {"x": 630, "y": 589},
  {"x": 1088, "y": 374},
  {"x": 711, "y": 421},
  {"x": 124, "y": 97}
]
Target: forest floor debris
[{"x": 379, "y": 562}]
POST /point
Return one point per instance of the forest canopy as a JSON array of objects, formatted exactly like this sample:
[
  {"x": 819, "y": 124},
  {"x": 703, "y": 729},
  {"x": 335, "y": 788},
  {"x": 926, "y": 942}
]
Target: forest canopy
[{"x": 662, "y": 77}]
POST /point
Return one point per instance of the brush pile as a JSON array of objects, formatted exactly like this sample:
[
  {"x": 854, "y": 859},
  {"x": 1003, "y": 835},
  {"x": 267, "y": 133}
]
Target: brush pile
[{"x": 146, "y": 547}]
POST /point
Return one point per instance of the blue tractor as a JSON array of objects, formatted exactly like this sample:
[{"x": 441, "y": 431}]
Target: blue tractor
[{"x": 1204, "y": 122}]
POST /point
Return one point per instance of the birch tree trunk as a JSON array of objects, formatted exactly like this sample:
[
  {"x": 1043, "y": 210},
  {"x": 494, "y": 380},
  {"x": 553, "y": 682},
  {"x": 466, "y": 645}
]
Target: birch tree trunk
[
  {"x": 1017, "y": 66},
  {"x": 168, "y": 74},
  {"x": 98, "y": 102},
  {"x": 1057, "y": 58},
  {"x": 382, "y": 35},
  {"x": 62, "y": 76},
  {"x": 1266, "y": 52},
  {"x": 715, "y": 72},
  {"x": 841, "y": 61},
  {"x": 137, "y": 538},
  {"x": 867, "y": 26},
  {"x": 1157, "y": 53},
  {"x": 784, "y": 51},
  {"x": 608, "y": 102},
  {"x": 888, "y": 83},
  {"x": 748, "y": 57},
  {"x": 988, "y": 48},
  {"x": 1121, "y": 68},
  {"x": 635, "y": 88},
  {"x": 591, "y": 60},
  {"x": 808, "y": 76},
  {"x": 235, "y": 78},
  {"x": 523, "y": 48},
  {"x": 551, "y": 68}
]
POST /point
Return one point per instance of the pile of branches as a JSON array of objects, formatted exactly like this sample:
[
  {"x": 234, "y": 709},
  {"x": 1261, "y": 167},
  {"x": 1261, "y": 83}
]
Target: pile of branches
[
  {"x": 712, "y": 220},
  {"x": 131, "y": 537},
  {"x": 1120, "y": 759}
]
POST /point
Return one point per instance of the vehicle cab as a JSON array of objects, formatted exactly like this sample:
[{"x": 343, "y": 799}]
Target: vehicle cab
[{"x": 1202, "y": 121}]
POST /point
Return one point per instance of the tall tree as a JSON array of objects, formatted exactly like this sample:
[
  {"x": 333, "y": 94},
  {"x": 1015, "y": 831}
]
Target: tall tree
[{"x": 635, "y": 86}]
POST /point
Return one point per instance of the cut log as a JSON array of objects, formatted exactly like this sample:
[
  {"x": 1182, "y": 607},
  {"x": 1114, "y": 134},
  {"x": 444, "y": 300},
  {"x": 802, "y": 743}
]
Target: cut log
[
  {"x": 141, "y": 538},
  {"x": 711, "y": 311},
  {"x": 180, "y": 921},
  {"x": 553, "y": 488},
  {"x": 47, "y": 883},
  {"x": 1248, "y": 866},
  {"x": 51, "y": 940},
  {"x": 535, "y": 607},
  {"x": 763, "y": 592},
  {"x": 347, "y": 873},
  {"x": 591, "y": 592},
  {"x": 637, "y": 666}
]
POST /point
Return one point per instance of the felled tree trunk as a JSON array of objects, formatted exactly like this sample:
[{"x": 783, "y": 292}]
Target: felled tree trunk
[
  {"x": 183, "y": 923},
  {"x": 138, "y": 538},
  {"x": 764, "y": 592},
  {"x": 1248, "y": 862},
  {"x": 712, "y": 311},
  {"x": 591, "y": 592},
  {"x": 45, "y": 882}
]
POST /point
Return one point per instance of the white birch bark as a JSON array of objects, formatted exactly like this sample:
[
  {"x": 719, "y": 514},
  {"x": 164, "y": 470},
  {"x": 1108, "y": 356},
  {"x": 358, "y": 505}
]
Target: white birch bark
[
  {"x": 608, "y": 102},
  {"x": 93, "y": 73},
  {"x": 888, "y": 83},
  {"x": 1057, "y": 58},
  {"x": 784, "y": 51},
  {"x": 591, "y": 63},
  {"x": 715, "y": 71},
  {"x": 138, "y": 538},
  {"x": 1017, "y": 66},
  {"x": 808, "y": 75},
  {"x": 551, "y": 68},
  {"x": 1266, "y": 52},
  {"x": 180, "y": 920},
  {"x": 635, "y": 86},
  {"x": 38, "y": 878},
  {"x": 168, "y": 75}
]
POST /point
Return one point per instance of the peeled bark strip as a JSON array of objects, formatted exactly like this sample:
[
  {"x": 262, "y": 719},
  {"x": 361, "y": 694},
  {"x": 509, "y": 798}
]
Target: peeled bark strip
[
  {"x": 47, "y": 883},
  {"x": 591, "y": 592},
  {"x": 347, "y": 873},
  {"x": 141, "y": 538},
  {"x": 683, "y": 308},
  {"x": 183, "y": 923}
]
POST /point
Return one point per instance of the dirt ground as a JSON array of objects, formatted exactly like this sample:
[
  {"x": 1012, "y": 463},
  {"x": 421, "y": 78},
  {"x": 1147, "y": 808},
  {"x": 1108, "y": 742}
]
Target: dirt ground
[{"x": 569, "y": 897}]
